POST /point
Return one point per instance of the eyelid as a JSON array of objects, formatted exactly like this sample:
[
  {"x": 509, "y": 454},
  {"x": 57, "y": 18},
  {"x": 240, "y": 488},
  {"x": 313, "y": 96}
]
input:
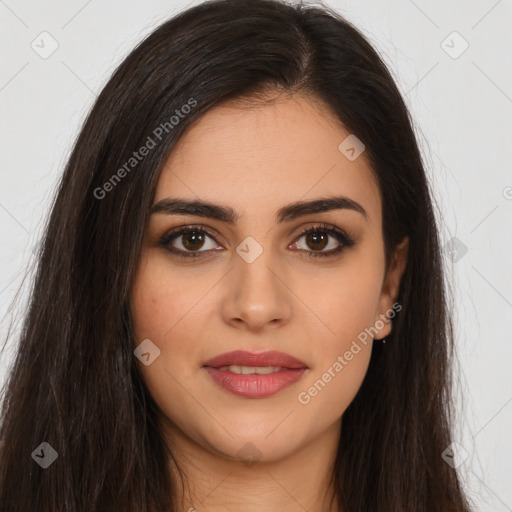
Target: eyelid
[
  {"x": 178, "y": 231},
  {"x": 343, "y": 238},
  {"x": 345, "y": 242}
]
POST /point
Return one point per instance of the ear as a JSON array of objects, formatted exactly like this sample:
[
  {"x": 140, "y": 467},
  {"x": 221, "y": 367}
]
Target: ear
[{"x": 390, "y": 288}]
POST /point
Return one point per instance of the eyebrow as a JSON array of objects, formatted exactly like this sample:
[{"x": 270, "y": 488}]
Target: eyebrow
[{"x": 226, "y": 214}]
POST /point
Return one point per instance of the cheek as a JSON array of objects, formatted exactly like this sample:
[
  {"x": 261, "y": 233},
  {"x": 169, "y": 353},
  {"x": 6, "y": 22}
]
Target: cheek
[
  {"x": 159, "y": 312},
  {"x": 159, "y": 302},
  {"x": 331, "y": 389},
  {"x": 341, "y": 357},
  {"x": 346, "y": 302},
  {"x": 162, "y": 311},
  {"x": 347, "y": 307},
  {"x": 168, "y": 308}
]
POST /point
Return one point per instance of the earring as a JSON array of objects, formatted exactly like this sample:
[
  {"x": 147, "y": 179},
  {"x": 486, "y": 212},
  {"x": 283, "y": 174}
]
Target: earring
[{"x": 383, "y": 340}]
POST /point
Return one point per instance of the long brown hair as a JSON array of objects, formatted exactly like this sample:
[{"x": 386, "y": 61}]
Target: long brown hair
[{"x": 74, "y": 382}]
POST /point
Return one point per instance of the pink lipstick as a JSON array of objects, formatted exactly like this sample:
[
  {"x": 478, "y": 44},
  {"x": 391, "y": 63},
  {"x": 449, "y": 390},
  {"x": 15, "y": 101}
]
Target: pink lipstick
[{"x": 254, "y": 375}]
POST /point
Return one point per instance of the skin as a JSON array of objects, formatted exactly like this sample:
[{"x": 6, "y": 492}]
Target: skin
[{"x": 256, "y": 161}]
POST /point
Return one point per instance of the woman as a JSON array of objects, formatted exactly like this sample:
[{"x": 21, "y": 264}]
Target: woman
[{"x": 239, "y": 302}]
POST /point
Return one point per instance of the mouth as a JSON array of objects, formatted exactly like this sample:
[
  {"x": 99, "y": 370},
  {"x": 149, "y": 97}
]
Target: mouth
[{"x": 255, "y": 375}]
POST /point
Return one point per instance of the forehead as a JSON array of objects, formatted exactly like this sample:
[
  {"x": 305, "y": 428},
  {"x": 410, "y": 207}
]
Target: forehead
[{"x": 259, "y": 158}]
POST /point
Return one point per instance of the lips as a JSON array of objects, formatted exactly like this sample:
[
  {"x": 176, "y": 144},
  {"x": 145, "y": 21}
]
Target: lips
[
  {"x": 243, "y": 358},
  {"x": 275, "y": 372}
]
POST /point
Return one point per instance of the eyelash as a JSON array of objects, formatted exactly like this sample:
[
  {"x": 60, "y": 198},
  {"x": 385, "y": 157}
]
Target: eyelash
[{"x": 345, "y": 240}]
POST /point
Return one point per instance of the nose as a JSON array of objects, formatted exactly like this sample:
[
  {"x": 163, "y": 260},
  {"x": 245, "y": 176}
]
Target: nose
[{"x": 258, "y": 295}]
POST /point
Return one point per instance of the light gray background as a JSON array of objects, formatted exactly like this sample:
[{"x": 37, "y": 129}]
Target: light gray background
[{"x": 462, "y": 107}]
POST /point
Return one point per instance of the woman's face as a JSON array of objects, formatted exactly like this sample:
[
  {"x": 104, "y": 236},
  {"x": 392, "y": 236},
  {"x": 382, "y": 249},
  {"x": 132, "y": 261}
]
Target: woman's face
[{"x": 252, "y": 286}]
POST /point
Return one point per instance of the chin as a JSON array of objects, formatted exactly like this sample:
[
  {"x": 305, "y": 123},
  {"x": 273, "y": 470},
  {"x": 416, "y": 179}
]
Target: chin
[{"x": 255, "y": 443}]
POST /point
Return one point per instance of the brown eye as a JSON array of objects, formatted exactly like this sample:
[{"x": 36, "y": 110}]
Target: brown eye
[
  {"x": 193, "y": 240},
  {"x": 317, "y": 240},
  {"x": 188, "y": 241}
]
